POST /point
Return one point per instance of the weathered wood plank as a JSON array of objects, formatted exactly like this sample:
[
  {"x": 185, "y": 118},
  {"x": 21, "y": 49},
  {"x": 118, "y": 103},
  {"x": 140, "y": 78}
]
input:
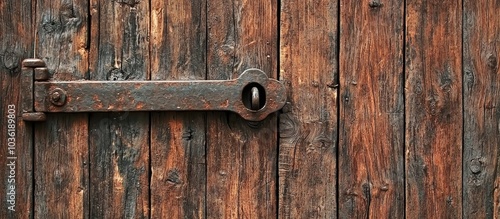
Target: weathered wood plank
[
  {"x": 61, "y": 148},
  {"x": 433, "y": 109},
  {"x": 371, "y": 133},
  {"x": 61, "y": 167},
  {"x": 481, "y": 109},
  {"x": 119, "y": 142},
  {"x": 16, "y": 154},
  {"x": 178, "y": 51},
  {"x": 308, "y": 125},
  {"x": 241, "y": 156}
]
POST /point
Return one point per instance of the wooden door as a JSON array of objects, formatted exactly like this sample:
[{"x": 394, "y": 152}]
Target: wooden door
[{"x": 392, "y": 110}]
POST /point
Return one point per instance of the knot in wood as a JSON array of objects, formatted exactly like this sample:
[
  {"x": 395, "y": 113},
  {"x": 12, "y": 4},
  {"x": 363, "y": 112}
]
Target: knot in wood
[
  {"x": 375, "y": 4},
  {"x": 475, "y": 166},
  {"x": 492, "y": 61}
]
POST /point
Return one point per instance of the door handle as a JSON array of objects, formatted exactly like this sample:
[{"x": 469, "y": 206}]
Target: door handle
[{"x": 252, "y": 95}]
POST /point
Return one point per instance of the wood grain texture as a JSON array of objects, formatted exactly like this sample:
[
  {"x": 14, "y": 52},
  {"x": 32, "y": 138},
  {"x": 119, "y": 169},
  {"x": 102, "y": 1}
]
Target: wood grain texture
[
  {"x": 308, "y": 124},
  {"x": 481, "y": 84},
  {"x": 241, "y": 156},
  {"x": 119, "y": 142},
  {"x": 178, "y": 51},
  {"x": 16, "y": 44},
  {"x": 417, "y": 132},
  {"x": 61, "y": 147},
  {"x": 371, "y": 133},
  {"x": 433, "y": 109},
  {"x": 61, "y": 170}
]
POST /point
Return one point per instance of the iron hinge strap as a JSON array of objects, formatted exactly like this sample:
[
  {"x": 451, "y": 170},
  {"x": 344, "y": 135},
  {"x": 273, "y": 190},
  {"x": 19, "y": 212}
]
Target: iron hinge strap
[{"x": 252, "y": 95}]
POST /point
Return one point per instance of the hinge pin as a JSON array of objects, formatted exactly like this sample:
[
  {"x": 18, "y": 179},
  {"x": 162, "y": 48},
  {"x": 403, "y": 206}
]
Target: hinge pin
[
  {"x": 33, "y": 70},
  {"x": 33, "y": 63}
]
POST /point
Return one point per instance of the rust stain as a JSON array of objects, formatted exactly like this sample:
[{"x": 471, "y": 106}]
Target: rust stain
[
  {"x": 206, "y": 104},
  {"x": 97, "y": 102},
  {"x": 140, "y": 105},
  {"x": 224, "y": 104}
]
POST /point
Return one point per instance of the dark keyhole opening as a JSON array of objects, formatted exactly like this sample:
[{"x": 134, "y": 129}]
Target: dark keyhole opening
[{"x": 254, "y": 96}]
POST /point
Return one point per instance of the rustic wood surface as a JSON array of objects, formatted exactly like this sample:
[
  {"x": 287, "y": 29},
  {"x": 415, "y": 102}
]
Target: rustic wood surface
[
  {"x": 241, "y": 156},
  {"x": 119, "y": 142},
  {"x": 392, "y": 110},
  {"x": 178, "y": 51},
  {"x": 308, "y": 124},
  {"x": 433, "y": 109},
  {"x": 61, "y": 143},
  {"x": 481, "y": 83},
  {"x": 371, "y": 133},
  {"x": 16, "y": 43}
]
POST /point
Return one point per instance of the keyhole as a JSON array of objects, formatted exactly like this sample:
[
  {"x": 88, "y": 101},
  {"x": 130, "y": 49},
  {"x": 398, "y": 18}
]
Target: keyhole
[{"x": 254, "y": 96}]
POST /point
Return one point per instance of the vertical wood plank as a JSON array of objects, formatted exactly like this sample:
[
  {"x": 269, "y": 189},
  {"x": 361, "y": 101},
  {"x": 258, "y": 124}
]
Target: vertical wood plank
[
  {"x": 433, "y": 109},
  {"x": 371, "y": 135},
  {"x": 61, "y": 167},
  {"x": 481, "y": 84},
  {"x": 241, "y": 156},
  {"x": 119, "y": 142},
  {"x": 178, "y": 51},
  {"x": 16, "y": 152},
  {"x": 308, "y": 124},
  {"x": 61, "y": 143}
]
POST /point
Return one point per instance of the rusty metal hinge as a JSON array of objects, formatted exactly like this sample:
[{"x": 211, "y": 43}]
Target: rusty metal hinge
[{"x": 252, "y": 95}]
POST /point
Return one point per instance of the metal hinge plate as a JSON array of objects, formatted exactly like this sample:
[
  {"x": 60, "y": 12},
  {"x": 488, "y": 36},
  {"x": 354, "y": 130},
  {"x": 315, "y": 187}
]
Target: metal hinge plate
[{"x": 252, "y": 95}]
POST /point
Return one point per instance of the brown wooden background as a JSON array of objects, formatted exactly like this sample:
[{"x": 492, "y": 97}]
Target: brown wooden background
[{"x": 393, "y": 110}]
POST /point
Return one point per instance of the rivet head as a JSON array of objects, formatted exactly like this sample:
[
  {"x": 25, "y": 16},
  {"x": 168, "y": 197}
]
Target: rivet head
[{"x": 57, "y": 97}]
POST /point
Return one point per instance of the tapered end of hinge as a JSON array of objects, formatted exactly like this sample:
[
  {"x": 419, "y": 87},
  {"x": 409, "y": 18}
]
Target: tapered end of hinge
[
  {"x": 34, "y": 117},
  {"x": 33, "y": 63}
]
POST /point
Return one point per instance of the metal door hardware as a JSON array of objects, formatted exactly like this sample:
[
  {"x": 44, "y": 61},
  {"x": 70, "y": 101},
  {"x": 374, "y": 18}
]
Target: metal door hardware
[{"x": 252, "y": 95}]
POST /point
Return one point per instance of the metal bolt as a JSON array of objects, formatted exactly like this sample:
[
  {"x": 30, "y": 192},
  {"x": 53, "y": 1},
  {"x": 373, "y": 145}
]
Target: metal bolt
[{"x": 58, "y": 97}]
